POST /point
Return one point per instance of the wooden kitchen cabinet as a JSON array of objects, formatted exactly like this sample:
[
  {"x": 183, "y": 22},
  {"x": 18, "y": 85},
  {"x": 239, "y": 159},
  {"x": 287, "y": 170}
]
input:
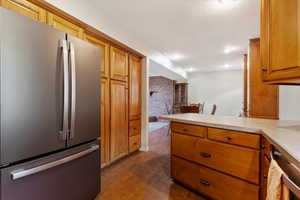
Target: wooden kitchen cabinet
[
  {"x": 214, "y": 166},
  {"x": 119, "y": 139},
  {"x": 64, "y": 25},
  {"x": 25, "y": 8},
  {"x": 263, "y": 99},
  {"x": 135, "y": 83},
  {"x": 105, "y": 123},
  {"x": 104, "y": 54},
  {"x": 118, "y": 64},
  {"x": 280, "y": 42}
]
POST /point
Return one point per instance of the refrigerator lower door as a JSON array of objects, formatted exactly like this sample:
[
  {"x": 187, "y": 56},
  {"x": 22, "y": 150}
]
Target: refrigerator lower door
[
  {"x": 73, "y": 174},
  {"x": 85, "y": 89}
]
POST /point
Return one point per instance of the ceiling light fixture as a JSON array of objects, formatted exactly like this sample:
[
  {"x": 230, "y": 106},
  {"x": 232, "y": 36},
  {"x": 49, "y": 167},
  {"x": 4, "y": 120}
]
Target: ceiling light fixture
[
  {"x": 227, "y": 1},
  {"x": 190, "y": 69},
  {"x": 225, "y": 4},
  {"x": 226, "y": 65},
  {"x": 175, "y": 56},
  {"x": 229, "y": 49}
]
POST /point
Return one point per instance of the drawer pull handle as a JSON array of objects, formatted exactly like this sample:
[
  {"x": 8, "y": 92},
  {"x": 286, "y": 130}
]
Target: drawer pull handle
[
  {"x": 205, "y": 155},
  {"x": 205, "y": 183},
  {"x": 185, "y": 130},
  {"x": 135, "y": 143},
  {"x": 229, "y": 138}
]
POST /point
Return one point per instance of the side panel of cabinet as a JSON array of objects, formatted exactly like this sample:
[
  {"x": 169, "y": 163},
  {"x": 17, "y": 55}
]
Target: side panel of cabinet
[
  {"x": 119, "y": 120},
  {"x": 263, "y": 98},
  {"x": 63, "y": 25},
  {"x": 134, "y": 88},
  {"x": 105, "y": 123},
  {"x": 25, "y": 8},
  {"x": 104, "y": 54},
  {"x": 280, "y": 40},
  {"x": 118, "y": 64}
]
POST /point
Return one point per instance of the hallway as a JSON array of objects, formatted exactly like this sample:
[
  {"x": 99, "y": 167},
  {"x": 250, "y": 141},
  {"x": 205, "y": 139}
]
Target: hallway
[{"x": 144, "y": 175}]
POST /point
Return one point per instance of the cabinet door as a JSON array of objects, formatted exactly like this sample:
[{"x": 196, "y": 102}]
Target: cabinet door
[
  {"x": 25, "y": 8},
  {"x": 104, "y": 51},
  {"x": 64, "y": 25},
  {"x": 119, "y": 120},
  {"x": 119, "y": 64},
  {"x": 105, "y": 130},
  {"x": 263, "y": 98},
  {"x": 280, "y": 40},
  {"x": 134, "y": 88}
]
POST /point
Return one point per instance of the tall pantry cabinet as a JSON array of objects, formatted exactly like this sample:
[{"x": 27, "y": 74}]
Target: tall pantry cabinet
[
  {"x": 135, "y": 67},
  {"x": 120, "y": 78}
]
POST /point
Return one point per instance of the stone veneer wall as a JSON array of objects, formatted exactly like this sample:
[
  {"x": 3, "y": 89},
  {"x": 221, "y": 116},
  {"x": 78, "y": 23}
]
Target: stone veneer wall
[{"x": 165, "y": 95}]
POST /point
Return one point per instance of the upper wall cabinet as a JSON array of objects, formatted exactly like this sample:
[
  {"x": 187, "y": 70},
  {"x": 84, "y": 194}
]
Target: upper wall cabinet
[
  {"x": 280, "y": 42},
  {"x": 104, "y": 51},
  {"x": 135, "y": 73},
  {"x": 64, "y": 25},
  {"x": 118, "y": 64},
  {"x": 25, "y": 8}
]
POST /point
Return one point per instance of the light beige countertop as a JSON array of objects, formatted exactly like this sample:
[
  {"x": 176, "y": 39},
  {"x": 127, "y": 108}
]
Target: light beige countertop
[{"x": 284, "y": 135}]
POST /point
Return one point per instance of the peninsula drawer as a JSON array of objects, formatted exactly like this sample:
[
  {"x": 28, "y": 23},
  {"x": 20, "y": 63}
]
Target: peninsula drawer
[
  {"x": 234, "y": 160},
  {"x": 134, "y": 143},
  {"x": 134, "y": 127},
  {"x": 234, "y": 137},
  {"x": 187, "y": 129},
  {"x": 211, "y": 183}
]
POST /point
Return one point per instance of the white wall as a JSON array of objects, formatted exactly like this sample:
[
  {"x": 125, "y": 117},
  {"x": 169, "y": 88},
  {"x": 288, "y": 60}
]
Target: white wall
[
  {"x": 156, "y": 69},
  {"x": 289, "y": 103},
  {"x": 223, "y": 88}
]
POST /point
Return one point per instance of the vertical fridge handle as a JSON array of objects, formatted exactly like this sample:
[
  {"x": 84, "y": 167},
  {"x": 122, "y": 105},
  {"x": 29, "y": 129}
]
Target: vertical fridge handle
[
  {"x": 63, "y": 133},
  {"x": 73, "y": 89}
]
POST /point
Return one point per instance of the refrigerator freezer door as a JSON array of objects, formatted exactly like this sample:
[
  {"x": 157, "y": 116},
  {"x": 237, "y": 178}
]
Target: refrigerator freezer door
[
  {"x": 31, "y": 88},
  {"x": 85, "y": 91},
  {"x": 73, "y": 174}
]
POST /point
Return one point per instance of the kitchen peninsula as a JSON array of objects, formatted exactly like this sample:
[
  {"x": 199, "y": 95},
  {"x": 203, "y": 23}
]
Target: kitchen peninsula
[{"x": 214, "y": 154}]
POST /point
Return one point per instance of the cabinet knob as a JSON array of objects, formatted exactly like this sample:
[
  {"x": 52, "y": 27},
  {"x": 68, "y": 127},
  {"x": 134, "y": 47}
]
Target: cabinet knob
[
  {"x": 185, "y": 130},
  {"x": 204, "y": 182},
  {"x": 264, "y": 69},
  {"x": 229, "y": 138},
  {"x": 205, "y": 155}
]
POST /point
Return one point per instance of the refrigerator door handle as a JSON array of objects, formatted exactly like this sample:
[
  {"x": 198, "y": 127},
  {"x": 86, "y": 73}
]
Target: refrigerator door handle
[
  {"x": 63, "y": 133},
  {"x": 73, "y": 89},
  {"x": 17, "y": 174}
]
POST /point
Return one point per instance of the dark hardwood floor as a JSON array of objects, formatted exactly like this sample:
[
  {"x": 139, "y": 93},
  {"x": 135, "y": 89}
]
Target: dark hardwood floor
[{"x": 144, "y": 175}]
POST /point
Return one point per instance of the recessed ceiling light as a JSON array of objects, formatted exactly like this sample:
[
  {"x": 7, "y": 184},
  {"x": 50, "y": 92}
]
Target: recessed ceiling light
[
  {"x": 227, "y": 1},
  {"x": 190, "y": 69},
  {"x": 175, "y": 56},
  {"x": 225, "y": 4},
  {"x": 226, "y": 65},
  {"x": 229, "y": 49}
]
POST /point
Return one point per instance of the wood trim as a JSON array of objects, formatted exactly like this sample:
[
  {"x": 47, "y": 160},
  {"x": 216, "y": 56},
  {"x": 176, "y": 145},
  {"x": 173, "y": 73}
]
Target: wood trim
[
  {"x": 87, "y": 28},
  {"x": 246, "y": 85},
  {"x": 26, "y": 8}
]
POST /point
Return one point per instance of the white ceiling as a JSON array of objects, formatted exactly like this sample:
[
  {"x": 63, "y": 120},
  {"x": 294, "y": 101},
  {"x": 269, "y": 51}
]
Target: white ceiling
[{"x": 182, "y": 35}]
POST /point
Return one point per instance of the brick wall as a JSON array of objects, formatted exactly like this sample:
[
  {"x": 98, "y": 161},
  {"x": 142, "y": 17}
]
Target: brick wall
[{"x": 165, "y": 95}]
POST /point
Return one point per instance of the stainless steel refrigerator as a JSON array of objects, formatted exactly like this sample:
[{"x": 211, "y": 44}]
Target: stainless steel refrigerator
[{"x": 50, "y": 112}]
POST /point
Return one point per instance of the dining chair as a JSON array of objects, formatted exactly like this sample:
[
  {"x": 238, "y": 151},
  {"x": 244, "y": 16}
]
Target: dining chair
[{"x": 214, "y": 109}]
